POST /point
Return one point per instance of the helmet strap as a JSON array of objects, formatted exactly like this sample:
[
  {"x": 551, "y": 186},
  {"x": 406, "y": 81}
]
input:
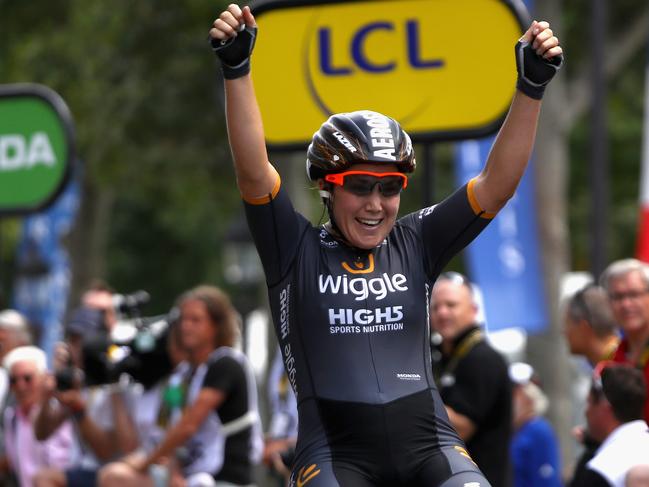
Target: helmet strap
[{"x": 326, "y": 193}]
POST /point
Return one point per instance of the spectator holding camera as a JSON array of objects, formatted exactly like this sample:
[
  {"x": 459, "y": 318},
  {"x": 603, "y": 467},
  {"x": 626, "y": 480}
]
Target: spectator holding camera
[
  {"x": 102, "y": 413},
  {"x": 159, "y": 406},
  {"x": 25, "y": 453}
]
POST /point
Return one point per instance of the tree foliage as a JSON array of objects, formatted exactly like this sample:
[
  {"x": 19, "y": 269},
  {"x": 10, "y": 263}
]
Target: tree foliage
[
  {"x": 625, "y": 113},
  {"x": 142, "y": 86}
]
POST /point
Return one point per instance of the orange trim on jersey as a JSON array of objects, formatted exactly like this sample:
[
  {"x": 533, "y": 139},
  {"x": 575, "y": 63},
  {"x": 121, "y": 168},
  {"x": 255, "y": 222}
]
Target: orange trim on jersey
[
  {"x": 264, "y": 200},
  {"x": 473, "y": 201},
  {"x": 305, "y": 474},
  {"x": 463, "y": 452},
  {"x": 359, "y": 265}
]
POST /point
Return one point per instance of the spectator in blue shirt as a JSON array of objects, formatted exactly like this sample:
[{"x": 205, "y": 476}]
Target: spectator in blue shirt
[{"x": 534, "y": 447}]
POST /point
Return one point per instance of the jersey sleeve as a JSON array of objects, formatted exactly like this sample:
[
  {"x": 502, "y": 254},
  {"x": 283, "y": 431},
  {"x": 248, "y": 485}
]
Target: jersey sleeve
[
  {"x": 223, "y": 375},
  {"x": 450, "y": 226},
  {"x": 277, "y": 230}
]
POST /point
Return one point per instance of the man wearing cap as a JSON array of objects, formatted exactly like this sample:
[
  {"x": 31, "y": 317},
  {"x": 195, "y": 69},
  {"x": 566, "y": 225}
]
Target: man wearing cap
[
  {"x": 472, "y": 378},
  {"x": 614, "y": 417}
]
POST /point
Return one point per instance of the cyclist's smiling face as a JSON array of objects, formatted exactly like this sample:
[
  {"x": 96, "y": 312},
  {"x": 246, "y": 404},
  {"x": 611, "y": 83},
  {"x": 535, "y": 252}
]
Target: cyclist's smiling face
[{"x": 365, "y": 221}]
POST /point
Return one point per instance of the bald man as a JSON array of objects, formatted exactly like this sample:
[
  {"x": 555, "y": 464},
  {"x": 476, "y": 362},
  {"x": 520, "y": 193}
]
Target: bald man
[{"x": 472, "y": 377}]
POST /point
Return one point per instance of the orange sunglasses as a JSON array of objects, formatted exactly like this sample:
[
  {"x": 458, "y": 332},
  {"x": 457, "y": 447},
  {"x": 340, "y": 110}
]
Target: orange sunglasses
[{"x": 361, "y": 183}]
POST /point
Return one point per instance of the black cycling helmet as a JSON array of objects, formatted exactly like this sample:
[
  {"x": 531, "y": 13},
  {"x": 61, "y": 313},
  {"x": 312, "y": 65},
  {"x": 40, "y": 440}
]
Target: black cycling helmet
[{"x": 358, "y": 137}]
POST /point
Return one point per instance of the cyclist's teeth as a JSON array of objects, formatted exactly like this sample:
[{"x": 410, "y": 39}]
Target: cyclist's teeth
[{"x": 369, "y": 222}]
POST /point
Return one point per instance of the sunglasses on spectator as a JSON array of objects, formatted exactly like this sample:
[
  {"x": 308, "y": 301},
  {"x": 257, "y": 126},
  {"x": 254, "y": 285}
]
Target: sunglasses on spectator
[
  {"x": 361, "y": 183},
  {"x": 27, "y": 379}
]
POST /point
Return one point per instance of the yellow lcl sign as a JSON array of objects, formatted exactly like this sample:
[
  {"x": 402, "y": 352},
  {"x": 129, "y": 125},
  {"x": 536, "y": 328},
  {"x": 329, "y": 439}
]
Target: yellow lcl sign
[{"x": 443, "y": 68}]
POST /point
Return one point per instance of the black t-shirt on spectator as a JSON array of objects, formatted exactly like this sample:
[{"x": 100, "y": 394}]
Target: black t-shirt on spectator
[
  {"x": 481, "y": 391},
  {"x": 228, "y": 376}
]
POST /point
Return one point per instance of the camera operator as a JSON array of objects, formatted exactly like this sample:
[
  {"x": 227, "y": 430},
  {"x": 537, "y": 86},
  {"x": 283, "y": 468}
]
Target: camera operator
[
  {"x": 101, "y": 412},
  {"x": 159, "y": 407},
  {"x": 217, "y": 438}
]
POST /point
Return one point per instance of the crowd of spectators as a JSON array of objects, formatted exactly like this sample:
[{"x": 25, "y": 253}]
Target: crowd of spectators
[
  {"x": 606, "y": 324},
  {"x": 174, "y": 404},
  {"x": 193, "y": 419}
]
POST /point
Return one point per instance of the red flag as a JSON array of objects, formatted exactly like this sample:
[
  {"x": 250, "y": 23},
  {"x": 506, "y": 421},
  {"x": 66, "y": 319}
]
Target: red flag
[{"x": 642, "y": 250}]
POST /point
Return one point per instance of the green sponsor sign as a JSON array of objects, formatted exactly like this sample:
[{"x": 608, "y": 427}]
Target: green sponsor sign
[{"x": 36, "y": 147}]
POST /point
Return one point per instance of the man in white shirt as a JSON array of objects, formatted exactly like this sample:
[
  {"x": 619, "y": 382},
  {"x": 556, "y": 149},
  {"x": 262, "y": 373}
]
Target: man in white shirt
[{"x": 615, "y": 416}]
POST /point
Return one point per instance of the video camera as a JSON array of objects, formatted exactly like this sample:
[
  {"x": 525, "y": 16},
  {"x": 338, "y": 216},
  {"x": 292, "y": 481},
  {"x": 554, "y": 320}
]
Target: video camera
[
  {"x": 136, "y": 346},
  {"x": 130, "y": 304}
]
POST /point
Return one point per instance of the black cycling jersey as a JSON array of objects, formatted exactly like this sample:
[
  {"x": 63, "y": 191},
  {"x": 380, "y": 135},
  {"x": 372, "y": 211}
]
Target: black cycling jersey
[{"x": 353, "y": 329}]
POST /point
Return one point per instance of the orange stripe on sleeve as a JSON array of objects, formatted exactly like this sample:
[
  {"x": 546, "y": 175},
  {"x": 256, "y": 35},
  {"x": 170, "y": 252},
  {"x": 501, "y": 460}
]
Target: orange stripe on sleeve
[
  {"x": 263, "y": 200},
  {"x": 475, "y": 206}
]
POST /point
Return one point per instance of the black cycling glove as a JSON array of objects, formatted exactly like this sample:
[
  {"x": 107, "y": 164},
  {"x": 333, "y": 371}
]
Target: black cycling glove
[
  {"x": 534, "y": 72},
  {"x": 235, "y": 52}
]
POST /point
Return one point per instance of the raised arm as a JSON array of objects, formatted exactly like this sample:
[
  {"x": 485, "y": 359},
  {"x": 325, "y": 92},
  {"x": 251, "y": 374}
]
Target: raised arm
[
  {"x": 49, "y": 417},
  {"x": 125, "y": 433},
  {"x": 233, "y": 37},
  {"x": 538, "y": 56}
]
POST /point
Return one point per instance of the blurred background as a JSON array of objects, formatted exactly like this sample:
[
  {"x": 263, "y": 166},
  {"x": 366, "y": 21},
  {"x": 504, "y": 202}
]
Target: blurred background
[{"x": 152, "y": 203}]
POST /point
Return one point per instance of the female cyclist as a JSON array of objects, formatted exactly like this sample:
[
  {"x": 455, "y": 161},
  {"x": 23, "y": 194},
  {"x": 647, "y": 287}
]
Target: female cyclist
[{"x": 349, "y": 298}]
